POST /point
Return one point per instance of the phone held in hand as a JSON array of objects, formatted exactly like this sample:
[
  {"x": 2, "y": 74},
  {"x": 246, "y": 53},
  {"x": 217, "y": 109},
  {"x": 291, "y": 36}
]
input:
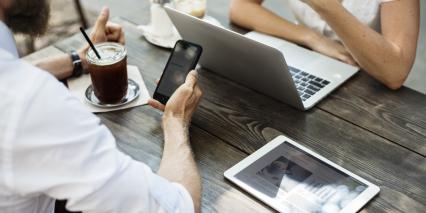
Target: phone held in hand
[{"x": 183, "y": 59}]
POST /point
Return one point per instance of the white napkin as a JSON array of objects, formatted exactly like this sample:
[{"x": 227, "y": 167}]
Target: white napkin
[{"x": 78, "y": 86}]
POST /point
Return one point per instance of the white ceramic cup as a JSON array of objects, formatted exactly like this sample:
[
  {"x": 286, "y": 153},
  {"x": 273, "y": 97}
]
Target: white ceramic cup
[{"x": 161, "y": 24}]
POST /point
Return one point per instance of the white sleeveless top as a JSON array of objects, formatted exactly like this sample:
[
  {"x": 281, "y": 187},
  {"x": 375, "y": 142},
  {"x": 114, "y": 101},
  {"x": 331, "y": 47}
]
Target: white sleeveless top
[{"x": 367, "y": 11}]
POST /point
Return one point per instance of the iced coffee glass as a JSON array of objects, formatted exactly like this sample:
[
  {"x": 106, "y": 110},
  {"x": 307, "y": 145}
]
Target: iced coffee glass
[
  {"x": 108, "y": 74},
  {"x": 195, "y": 8}
]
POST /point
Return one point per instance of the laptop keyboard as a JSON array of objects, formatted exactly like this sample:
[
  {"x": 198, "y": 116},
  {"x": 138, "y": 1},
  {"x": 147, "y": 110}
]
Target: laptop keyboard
[{"x": 307, "y": 85}]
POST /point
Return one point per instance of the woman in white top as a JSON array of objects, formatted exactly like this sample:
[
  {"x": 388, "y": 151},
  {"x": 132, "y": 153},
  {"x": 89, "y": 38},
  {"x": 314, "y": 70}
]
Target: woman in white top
[{"x": 380, "y": 36}]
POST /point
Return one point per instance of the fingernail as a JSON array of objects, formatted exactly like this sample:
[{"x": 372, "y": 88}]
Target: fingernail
[{"x": 105, "y": 9}]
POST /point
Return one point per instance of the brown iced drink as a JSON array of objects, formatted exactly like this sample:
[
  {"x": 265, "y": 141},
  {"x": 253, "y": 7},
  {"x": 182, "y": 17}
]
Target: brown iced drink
[{"x": 108, "y": 74}]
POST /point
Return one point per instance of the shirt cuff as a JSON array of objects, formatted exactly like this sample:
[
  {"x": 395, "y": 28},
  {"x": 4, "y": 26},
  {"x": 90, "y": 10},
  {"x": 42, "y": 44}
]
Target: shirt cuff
[
  {"x": 186, "y": 197},
  {"x": 172, "y": 197}
]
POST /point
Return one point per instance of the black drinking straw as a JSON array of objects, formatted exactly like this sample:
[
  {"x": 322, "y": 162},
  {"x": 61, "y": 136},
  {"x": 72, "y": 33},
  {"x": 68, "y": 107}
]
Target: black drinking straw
[{"x": 90, "y": 42}]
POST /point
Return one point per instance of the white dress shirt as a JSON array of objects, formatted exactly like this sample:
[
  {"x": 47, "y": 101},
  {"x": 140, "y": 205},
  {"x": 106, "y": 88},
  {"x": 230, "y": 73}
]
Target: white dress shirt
[
  {"x": 366, "y": 11},
  {"x": 51, "y": 147}
]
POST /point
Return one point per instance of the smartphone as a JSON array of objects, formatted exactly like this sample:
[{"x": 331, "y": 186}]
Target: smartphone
[{"x": 183, "y": 59}]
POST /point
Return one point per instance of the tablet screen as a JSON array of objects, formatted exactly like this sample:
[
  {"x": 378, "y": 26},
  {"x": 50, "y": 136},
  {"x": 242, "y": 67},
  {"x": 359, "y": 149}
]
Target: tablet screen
[{"x": 299, "y": 180}]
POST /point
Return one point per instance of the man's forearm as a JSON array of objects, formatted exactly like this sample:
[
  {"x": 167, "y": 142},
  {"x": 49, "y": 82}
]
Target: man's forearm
[
  {"x": 178, "y": 164},
  {"x": 60, "y": 66}
]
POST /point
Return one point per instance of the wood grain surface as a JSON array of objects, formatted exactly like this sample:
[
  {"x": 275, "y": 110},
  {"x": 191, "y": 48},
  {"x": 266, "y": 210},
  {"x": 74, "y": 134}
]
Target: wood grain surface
[
  {"x": 246, "y": 120},
  {"x": 398, "y": 116},
  {"x": 139, "y": 134}
]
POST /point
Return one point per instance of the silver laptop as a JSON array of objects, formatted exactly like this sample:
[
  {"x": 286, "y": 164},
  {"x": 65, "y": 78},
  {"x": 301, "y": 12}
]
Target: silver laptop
[{"x": 301, "y": 79}]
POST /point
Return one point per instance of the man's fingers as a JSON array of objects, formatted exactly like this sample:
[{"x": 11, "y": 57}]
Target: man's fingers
[
  {"x": 113, "y": 37},
  {"x": 197, "y": 95},
  {"x": 155, "y": 104},
  {"x": 113, "y": 28},
  {"x": 121, "y": 39},
  {"x": 191, "y": 79},
  {"x": 102, "y": 19},
  {"x": 115, "y": 32}
]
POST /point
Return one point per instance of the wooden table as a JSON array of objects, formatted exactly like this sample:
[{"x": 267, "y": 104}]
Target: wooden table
[{"x": 374, "y": 132}]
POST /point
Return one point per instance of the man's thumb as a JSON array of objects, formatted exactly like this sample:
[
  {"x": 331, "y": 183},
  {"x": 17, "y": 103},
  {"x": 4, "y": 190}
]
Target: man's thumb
[{"x": 102, "y": 18}]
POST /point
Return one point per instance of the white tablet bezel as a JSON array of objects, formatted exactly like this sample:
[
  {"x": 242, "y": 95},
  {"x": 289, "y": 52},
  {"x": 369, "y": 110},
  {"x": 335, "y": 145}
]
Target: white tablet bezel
[{"x": 355, "y": 205}]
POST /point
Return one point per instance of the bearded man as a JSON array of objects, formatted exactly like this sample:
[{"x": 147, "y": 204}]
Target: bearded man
[{"x": 52, "y": 148}]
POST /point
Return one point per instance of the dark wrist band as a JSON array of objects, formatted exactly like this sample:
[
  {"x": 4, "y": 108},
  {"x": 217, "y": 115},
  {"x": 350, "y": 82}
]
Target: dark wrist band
[{"x": 78, "y": 66}]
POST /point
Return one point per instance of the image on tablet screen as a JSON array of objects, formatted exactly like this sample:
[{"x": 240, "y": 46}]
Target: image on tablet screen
[{"x": 284, "y": 173}]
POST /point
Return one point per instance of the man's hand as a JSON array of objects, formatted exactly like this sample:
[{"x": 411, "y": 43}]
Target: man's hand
[
  {"x": 103, "y": 31},
  {"x": 328, "y": 47},
  {"x": 106, "y": 31},
  {"x": 183, "y": 102},
  {"x": 177, "y": 163}
]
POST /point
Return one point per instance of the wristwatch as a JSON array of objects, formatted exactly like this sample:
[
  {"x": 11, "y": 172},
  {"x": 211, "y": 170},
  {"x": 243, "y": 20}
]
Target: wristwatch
[{"x": 78, "y": 66}]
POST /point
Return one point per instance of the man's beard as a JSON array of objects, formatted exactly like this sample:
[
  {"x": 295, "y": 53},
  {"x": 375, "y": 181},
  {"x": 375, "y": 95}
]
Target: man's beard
[{"x": 28, "y": 16}]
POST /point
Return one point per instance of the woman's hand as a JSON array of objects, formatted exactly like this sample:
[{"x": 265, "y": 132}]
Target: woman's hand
[
  {"x": 326, "y": 46},
  {"x": 184, "y": 101}
]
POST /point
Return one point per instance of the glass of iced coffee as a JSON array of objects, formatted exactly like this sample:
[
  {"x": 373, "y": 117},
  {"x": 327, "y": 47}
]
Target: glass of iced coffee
[
  {"x": 108, "y": 74},
  {"x": 195, "y": 8}
]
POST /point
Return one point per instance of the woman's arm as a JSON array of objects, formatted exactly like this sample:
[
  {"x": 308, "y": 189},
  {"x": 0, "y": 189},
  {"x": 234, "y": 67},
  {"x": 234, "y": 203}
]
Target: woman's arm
[
  {"x": 388, "y": 57},
  {"x": 267, "y": 22}
]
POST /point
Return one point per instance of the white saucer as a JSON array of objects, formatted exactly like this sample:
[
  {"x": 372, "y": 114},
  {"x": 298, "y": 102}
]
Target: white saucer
[
  {"x": 168, "y": 41},
  {"x": 162, "y": 41}
]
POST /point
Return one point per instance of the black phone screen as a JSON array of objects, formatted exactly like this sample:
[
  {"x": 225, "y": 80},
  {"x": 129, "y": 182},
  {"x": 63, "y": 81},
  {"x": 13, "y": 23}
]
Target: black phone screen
[{"x": 183, "y": 59}]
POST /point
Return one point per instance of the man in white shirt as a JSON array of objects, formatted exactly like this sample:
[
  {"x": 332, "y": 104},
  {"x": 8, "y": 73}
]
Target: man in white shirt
[{"x": 52, "y": 148}]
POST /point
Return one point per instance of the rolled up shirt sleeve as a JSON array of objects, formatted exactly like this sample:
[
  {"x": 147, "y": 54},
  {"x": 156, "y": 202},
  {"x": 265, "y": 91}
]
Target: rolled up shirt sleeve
[{"x": 63, "y": 151}]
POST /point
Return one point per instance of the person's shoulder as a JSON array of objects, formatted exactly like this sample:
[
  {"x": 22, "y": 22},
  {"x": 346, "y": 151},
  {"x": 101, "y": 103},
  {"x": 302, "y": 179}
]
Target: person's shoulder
[
  {"x": 22, "y": 87},
  {"x": 18, "y": 75},
  {"x": 40, "y": 101},
  {"x": 24, "y": 80},
  {"x": 26, "y": 87},
  {"x": 39, "y": 87}
]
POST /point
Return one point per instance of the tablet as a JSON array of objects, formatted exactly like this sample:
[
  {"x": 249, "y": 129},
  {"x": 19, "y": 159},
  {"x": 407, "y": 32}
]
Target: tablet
[{"x": 291, "y": 178}]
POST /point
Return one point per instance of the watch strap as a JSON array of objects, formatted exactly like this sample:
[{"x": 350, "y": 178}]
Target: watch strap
[{"x": 78, "y": 66}]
